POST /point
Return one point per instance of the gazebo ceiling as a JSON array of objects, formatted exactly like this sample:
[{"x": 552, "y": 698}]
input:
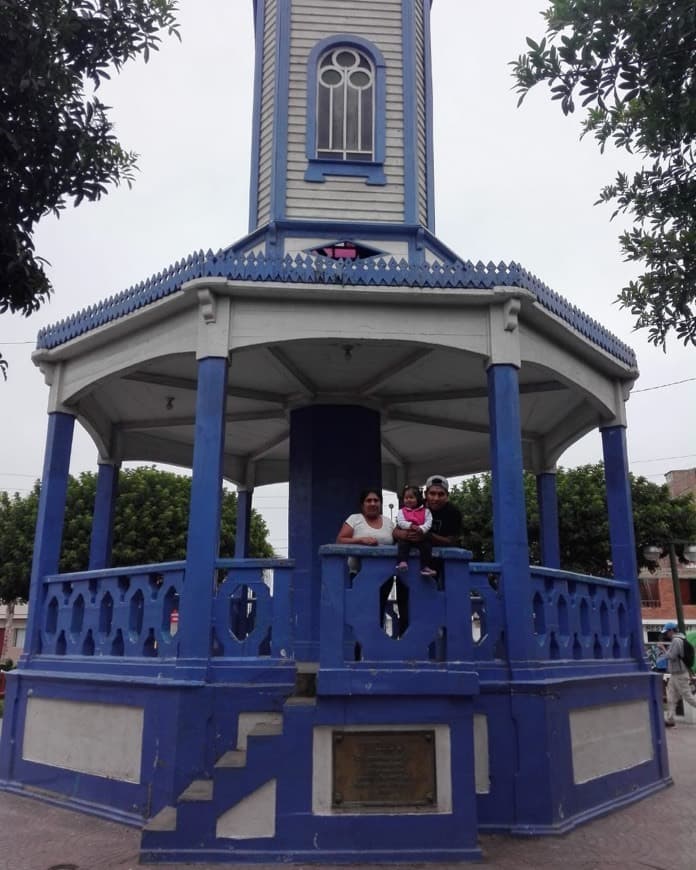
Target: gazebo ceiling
[{"x": 433, "y": 402}]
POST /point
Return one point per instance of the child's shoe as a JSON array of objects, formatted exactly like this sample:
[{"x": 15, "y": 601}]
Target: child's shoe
[
  {"x": 402, "y": 566},
  {"x": 428, "y": 572}
]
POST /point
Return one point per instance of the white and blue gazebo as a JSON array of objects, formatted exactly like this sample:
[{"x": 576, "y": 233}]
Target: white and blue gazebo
[{"x": 340, "y": 344}]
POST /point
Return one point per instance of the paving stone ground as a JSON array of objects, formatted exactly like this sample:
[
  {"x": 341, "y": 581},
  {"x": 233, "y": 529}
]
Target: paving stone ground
[{"x": 657, "y": 833}]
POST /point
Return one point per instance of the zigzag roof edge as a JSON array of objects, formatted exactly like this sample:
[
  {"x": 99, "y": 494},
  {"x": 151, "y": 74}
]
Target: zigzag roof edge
[{"x": 312, "y": 269}]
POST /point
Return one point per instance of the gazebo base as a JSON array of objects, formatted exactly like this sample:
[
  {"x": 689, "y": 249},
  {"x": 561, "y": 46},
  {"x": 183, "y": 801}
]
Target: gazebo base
[{"x": 383, "y": 765}]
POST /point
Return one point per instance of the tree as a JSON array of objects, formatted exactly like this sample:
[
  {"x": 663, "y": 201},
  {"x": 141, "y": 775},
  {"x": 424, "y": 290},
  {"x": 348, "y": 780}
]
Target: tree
[
  {"x": 632, "y": 66},
  {"x": 56, "y": 139},
  {"x": 150, "y": 525},
  {"x": 582, "y": 518}
]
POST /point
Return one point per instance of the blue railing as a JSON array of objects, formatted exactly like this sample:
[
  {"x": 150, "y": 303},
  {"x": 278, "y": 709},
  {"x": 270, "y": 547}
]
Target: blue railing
[
  {"x": 251, "y": 609},
  {"x": 576, "y": 616},
  {"x": 120, "y": 612},
  {"x": 376, "y": 616},
  {"x": 134, "y": 612},
  {"x": 369, "y": 616}
]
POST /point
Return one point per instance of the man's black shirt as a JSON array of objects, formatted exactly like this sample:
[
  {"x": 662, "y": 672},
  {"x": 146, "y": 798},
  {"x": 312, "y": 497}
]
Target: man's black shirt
[{"x": 447, "y": 522}]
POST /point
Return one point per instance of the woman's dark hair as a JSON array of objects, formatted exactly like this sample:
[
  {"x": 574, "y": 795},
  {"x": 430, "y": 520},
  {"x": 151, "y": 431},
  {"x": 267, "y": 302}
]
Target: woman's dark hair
[
  {"x": 416, "y": 491},
  {"x": 372, "y": 489}
]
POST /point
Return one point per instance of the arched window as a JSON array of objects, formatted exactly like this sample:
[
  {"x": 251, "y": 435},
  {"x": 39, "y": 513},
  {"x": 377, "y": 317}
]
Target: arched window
[
  {"x": 345, "y": 105},
  {"x": 346, "y": 95}
]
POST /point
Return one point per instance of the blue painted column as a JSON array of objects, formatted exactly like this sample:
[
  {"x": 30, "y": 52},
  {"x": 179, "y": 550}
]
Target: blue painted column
[
  {"x": 509, "y": 509},
  {"x": 334, "y": 454},
  {"x": 203, "y": 541},
  {"x": 549, "y": 541},
  {"x": 103, "y": 517},
  {"x": 49, "y": 522},
  {"x": 621, "y": 530},
  {"x": 243, "y": 531},
  {"x": 619, "y": 503}
]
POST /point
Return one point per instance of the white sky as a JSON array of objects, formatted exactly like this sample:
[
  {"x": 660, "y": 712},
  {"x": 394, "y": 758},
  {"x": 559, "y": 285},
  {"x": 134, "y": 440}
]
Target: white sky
[{"x": 511, "y": 184}]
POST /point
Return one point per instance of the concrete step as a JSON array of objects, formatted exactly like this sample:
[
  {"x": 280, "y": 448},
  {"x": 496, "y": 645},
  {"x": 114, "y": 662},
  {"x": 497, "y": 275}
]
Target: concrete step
[{"x": 233, "y": 758}]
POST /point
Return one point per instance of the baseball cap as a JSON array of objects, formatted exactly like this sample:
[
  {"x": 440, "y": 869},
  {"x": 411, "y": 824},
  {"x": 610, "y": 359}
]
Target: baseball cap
[
  {"x": 437, "y": 480},
  {"x": 669, "y": 626}
]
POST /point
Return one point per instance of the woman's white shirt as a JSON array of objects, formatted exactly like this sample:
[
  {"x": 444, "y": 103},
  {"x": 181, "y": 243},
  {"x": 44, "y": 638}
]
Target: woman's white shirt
[{"x": 362, "y": 529}]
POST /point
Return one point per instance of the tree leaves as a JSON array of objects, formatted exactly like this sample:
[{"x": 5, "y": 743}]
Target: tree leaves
[
  {"x": 634, "y": 67},
  {"x": 56, "y": 142},
  {"x": 150, "y": 525},
  {"x": 583, "y": 521}
]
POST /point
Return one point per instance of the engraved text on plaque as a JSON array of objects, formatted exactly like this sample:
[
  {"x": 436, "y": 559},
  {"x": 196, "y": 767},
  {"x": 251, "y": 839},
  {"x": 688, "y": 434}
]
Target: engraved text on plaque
[{"x": 383, "y": 769}]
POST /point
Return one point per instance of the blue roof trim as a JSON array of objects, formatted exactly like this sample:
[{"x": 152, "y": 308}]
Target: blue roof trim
[{"x": 309, "y": 269}]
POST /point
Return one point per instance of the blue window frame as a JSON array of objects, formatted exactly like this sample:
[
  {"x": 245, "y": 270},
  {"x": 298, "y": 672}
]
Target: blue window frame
[{"x": 345, "y": 110}]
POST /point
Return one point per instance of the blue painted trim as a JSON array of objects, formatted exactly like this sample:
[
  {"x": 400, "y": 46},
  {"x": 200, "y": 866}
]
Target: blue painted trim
[
  {"x": 621, "y": 528},
  {"x": 205, "y": 507},
  {"x": 417, "y": 682},
  {"x": 280, "y": 112},
  {"x": 103, "y": 517},
  {"x": 49, "y": 522},
  {"x": 241, "y": 540},
  {"x": 316, "y": 270},
  {"x": 254, "y": 563},
  {"x": 259, "y": 18},
  {"x": 430, "y": 148},
  {"x": 548, "y": 520},
  {"x": 410, "y": 110},
  {"x": 318, "y": 168},
  {"x": 509, "y": 509}
]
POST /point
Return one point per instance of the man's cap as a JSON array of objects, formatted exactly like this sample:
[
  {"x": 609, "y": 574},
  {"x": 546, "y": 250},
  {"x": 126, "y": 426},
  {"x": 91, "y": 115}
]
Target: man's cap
[
  {"x": 437, "y": 480},
  {"x": 669, "y": 626}
]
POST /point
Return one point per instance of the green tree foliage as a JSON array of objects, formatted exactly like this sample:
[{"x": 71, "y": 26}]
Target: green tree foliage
[
  {"x": 150, "y": 525},
  {"x": 56, "y": 139},
  {"x": 632, "y": 66},
  {"x": 17, "y": 523},
  {"x": 582, "y": 518}
]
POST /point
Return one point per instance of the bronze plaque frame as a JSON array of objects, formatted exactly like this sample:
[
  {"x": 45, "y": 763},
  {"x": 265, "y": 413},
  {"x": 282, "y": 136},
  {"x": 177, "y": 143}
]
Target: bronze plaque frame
[{"x": 383, "y": 769}]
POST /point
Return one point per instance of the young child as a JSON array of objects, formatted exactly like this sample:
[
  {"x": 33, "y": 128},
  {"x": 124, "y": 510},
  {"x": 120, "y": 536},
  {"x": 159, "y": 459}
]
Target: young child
[{"x": 414, "y": 515}]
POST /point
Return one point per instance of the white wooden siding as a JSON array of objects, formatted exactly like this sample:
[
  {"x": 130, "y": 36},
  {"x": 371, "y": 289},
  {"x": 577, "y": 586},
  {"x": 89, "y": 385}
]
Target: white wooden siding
[
  {"x": 346, "y": 198},
  {"x": 268, "y": 85}
]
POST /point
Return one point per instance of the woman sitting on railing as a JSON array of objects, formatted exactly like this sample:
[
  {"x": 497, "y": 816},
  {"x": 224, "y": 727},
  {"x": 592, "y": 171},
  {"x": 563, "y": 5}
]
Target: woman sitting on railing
[{"x": 369, "y": 527}]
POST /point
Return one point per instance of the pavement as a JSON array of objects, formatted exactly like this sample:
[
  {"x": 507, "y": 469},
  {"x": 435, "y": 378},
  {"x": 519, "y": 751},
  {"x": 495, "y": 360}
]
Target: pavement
[{"x": 658, "y": 833}]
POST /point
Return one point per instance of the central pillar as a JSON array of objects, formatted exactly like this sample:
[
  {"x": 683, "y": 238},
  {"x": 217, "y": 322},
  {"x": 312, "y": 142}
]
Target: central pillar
[{"x": 334, "y": 454}]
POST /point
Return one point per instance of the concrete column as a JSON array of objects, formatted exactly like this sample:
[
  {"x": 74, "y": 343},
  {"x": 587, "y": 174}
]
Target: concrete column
[
  {"x": 334, "y": 454},
  {"x": 243, "y": 532},
  {"x": 203, "y": 542},
  {"x": 49, "y": 521},
  {"x": 103, "y": 517},
  {"x": 509, "y": 509},
  {"x": 549, "y": 541}
]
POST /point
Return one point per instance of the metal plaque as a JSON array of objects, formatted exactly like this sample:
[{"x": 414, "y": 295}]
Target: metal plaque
[{"x": 383, "y": 769}]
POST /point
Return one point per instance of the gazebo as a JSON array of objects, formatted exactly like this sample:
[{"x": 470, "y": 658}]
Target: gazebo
[{"x": 255, "y": 710}]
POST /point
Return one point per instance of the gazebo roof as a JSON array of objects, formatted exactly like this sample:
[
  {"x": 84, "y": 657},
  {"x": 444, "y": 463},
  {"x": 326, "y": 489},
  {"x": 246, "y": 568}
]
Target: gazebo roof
[{"x": 313, "y": 269}]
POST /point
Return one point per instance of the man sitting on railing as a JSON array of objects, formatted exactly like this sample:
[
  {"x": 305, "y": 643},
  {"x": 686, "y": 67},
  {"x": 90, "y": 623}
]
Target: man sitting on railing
[{"x": 446, "y": 529}]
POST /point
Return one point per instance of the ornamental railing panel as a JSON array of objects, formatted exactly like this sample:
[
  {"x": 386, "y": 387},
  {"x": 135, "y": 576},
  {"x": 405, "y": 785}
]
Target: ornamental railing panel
[
  {"x": 251, "y": 609},
  {"x": 372, "y": 614},
  {"x": 118, "y": 612},
  {"x": 580, "y": 617}
]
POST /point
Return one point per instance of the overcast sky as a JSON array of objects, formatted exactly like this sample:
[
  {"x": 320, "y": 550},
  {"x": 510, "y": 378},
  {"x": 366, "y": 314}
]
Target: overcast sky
[{"x": 511, "y": 184}]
